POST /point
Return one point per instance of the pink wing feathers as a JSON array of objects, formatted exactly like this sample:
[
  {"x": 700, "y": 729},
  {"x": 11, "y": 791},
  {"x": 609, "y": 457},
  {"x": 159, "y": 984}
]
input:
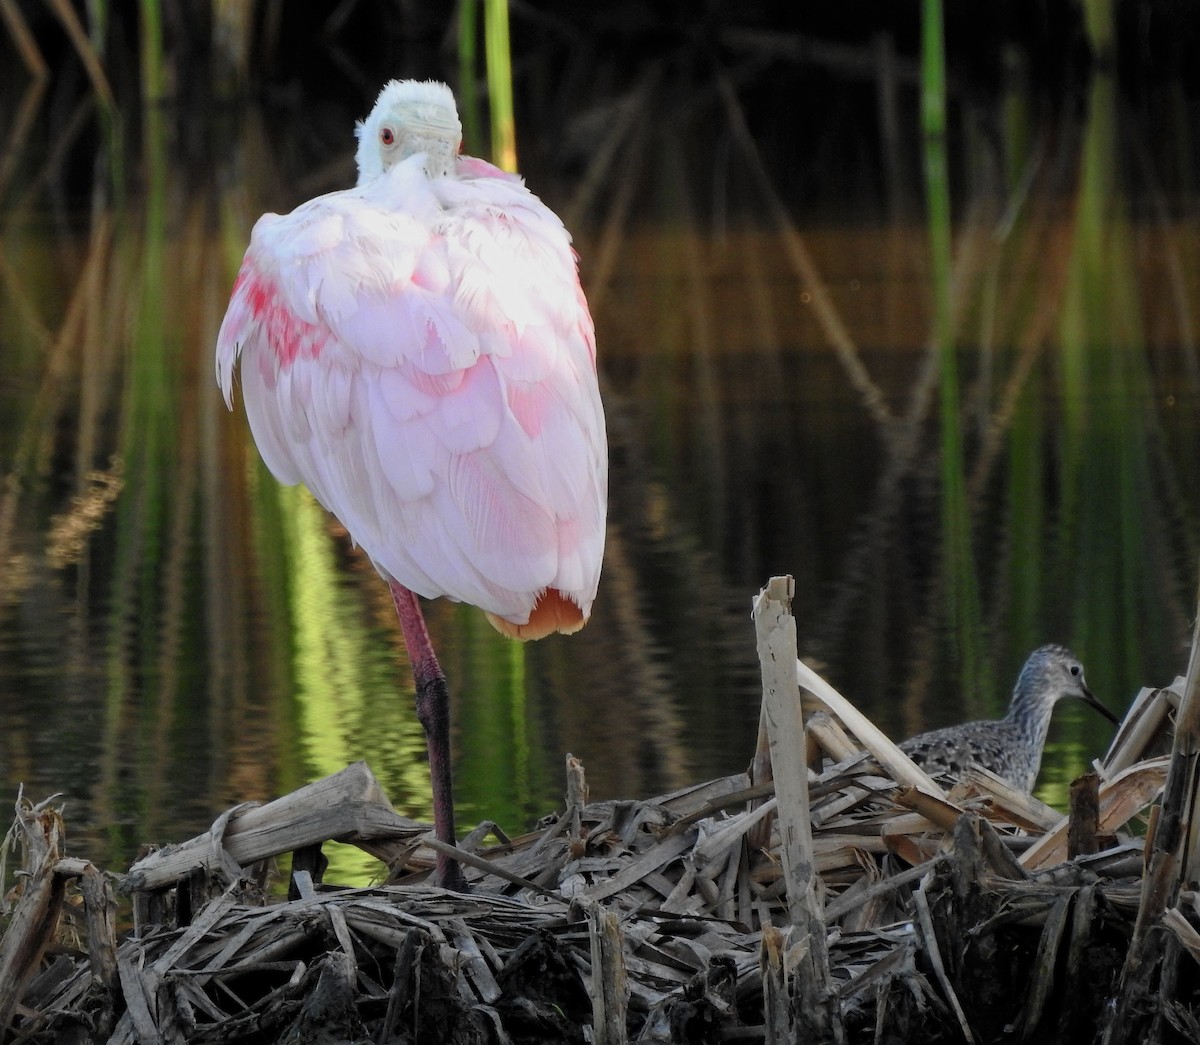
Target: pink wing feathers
[{"x": 418, "y": 352}]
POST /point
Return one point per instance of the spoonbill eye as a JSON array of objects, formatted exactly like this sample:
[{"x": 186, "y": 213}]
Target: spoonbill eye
[{"x": 387, "y": 136}]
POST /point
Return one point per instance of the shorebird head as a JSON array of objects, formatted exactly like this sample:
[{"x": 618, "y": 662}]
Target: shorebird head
[{"x": 1052, "y": 673}]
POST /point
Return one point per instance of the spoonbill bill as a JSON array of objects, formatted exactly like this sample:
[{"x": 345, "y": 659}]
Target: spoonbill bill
[{"x": 417, "y": 350}]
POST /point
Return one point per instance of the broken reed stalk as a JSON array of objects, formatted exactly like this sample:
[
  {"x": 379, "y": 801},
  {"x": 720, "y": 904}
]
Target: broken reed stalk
[
  {"x": 898, "y": 765},
  {"x": 35, "y": 918},
  {"x": 1174, "y": 854},
  {"x": 1084, "y": 824},
  {"x": 34, "y": 925},
  {"x": 759, "y": 836},
  {"x": 814, "y": 1006},
  {"x": 610, "y": 982},
  {"x": 777, "y": 1028}
]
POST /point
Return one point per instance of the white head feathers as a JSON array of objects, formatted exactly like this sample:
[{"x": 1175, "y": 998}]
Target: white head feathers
[{"x": 409, "y": 116}]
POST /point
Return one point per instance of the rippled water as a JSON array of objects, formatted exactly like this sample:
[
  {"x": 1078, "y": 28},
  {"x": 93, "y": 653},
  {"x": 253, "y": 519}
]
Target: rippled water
[{"x": 178, "y": 633}]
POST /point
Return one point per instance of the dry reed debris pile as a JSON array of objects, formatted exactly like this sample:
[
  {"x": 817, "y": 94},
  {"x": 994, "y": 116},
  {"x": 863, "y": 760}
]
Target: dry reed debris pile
[{"x": 716, "y": 913}]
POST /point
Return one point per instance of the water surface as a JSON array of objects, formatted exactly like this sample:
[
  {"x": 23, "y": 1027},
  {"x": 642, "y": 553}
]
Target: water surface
[{"x": 178, "y": 632}]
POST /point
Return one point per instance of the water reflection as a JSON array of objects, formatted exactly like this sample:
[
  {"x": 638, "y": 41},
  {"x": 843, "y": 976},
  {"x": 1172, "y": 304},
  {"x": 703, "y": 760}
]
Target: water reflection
[{"x": 177, "y": 632}]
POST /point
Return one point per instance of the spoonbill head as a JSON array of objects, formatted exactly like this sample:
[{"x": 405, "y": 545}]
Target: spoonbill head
[{"x": 409, "y": 117}]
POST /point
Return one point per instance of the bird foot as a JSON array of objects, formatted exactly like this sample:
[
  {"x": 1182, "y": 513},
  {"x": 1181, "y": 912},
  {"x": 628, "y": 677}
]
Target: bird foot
[{"x": 449, "y": 875}]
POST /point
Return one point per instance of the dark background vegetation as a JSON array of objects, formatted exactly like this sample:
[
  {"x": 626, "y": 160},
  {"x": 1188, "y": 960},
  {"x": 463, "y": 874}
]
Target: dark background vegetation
[{"x": 803, "y": 69}]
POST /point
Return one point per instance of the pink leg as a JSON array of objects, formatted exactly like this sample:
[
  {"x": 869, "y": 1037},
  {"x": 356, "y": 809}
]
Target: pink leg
[{"x": 433, "y": 710}]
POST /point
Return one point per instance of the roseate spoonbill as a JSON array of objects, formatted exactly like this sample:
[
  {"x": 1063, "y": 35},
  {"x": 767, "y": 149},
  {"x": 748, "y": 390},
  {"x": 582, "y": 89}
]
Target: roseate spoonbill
[
  {"x": 418, "y": 352},
  {"x": 1010, "y": 747}
]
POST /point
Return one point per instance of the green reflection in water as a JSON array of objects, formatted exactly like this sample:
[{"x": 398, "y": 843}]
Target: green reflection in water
[
  {"x": 492, "y": 773},
  {"x": 347, "y": 699},
  {"x": 960, "y": 586},
  {"x": 1027, "y": 520},
  {"x": 1108, "y": 425},
  {"x": 349, "y": 702},
  {"x": 140, "y": 655},
  {"x": 1077, "y": 738}
]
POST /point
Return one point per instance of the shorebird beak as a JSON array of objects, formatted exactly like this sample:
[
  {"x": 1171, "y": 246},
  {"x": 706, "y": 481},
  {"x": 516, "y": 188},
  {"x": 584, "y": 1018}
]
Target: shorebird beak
[{"x": 1090, "y": 699}]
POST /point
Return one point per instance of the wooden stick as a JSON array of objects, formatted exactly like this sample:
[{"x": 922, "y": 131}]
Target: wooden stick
[
  {"x": 1085, "y": 816},
  {"x": 899, "y": 766},
  {"x": 1146, "y": 718},
  {"x": 776, "y": 988},
  {"x": 831, "y": 737},
  {"x": 1042, "y": 979},
  {"x": 610, "y": 983},
  {"x": 35, "y": 919},
  {"x": 933, "y": 952},
  {"x": 348, "y": 805},
  {"x": 1120, "y": 798},
  {"x": 577, "y": 798},
  {"x": 100, "y": 912},
  {"x": 785, "y": 729},
  {"x": 1175, "y": 851},
  {"x": 816, "y": 1005}
]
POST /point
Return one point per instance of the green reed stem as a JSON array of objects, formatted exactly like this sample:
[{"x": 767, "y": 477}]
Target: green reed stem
[
  {"x": 468, "y": 63},
  {"x": 962, "y": 590},
  {"x": 500, "y": 87},
  {"x": 153, "y": 85}
]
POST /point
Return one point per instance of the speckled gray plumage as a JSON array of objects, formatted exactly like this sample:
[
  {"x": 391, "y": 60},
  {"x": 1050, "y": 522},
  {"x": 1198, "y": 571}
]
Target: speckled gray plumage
[{"x": 1010, "y": 747}]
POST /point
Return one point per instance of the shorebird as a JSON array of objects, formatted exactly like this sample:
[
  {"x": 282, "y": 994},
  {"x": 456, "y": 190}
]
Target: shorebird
[{"x": 1010, "y": 747}]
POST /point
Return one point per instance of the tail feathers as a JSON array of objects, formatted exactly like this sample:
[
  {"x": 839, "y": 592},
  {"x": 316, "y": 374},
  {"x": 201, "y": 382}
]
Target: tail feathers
[{"x": 552, "y": 612}]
